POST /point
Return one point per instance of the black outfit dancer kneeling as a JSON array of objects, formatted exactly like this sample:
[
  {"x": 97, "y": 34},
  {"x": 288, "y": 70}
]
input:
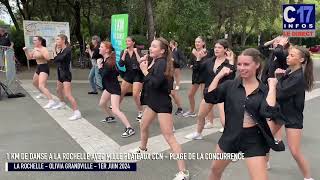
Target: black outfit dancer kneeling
[
  {"x": 111, "y": 86},
  {"x": 247, "y": 105}
]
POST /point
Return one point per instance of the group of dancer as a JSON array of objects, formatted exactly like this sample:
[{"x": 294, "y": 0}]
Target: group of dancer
[{"x": 252, "y": 106}]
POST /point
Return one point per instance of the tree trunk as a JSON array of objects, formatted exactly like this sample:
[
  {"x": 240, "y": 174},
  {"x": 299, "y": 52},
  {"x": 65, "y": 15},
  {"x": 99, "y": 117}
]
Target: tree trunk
[
  {"x": 77, "y": 16},
  {"x": 88, "y": 15},
  {"x": 76, "y": 6},
  {"x": 20, "y": 10},
  {"x": 150, "y": 21}
]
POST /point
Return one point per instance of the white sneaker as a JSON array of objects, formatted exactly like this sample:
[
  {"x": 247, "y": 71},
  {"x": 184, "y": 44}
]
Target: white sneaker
[
  {"x": 208, "y": 125},
  {"x": 59, "y": 105},
  {"x": 76, "y": 115},
  {"x": 139, "y": 117},
  {"x": 177, "y": 88},
  {"x": 189, "y": 114},
  {"x": 308, "y": 179},
  {"x": 194, "y": 136},
  {"x": 221, "y": 130},
  {"x": 182, "y": 175},
  {"x": 50, "y": 104},
  {"x": 235, "y": 160},
  {"x": 268, "y": 165},
  {"x": 138, "y": 150},
  {"x": 173, "y": 129},
  {"x": 40, "y": 96}
]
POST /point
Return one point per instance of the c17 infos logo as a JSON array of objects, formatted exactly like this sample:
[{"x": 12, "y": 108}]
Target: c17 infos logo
[{"x": 299, "y": 20}]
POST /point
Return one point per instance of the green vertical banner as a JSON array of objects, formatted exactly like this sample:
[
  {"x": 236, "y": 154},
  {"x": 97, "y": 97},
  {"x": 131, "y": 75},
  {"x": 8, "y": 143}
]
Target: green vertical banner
[{"x": 119, "y": 33}]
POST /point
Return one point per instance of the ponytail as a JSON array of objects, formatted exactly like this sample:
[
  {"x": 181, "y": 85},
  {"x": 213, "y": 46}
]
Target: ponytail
[
  {"x": 168, "y": 55},
  {"x": 65, "y": 38},
  {"x": 308, "y": 67},
  {"x": 43, "y": 41}
]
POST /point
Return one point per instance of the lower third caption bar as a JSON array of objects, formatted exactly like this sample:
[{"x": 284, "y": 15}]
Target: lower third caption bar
[{"x": 70, "y": 166}]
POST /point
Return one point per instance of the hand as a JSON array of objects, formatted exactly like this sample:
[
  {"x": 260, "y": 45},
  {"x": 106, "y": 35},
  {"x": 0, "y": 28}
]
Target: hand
[
  {"x": 283, "y": 40},
  {"x": 25, "y": 48},
  {"x": 125, "y": 51},
  {"x": 230, "y": 55},
  {"x": 144, "y": 66},
  {"x": 202, "y": 53},
  {"x": 99, "y": 63},
  {"x": 272, "y": 82},
  {"x": 195, "y": 52},
  {"x": 144, "y": 58},
  {"x": 279, "y": 72},
  {"x": 224, "y": 72}
]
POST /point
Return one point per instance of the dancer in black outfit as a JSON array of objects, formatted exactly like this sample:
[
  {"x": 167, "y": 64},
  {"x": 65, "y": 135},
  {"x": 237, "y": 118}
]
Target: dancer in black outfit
[
  {"x": 291, "y": 88},
  {"x": 111, "y": 86},
  {"x": 63, "y": 59},
  {"x": 198, "y": 54},
  {"x": 212, "y": 66},
  {"x": 247, "y": 105},
  {"x": 133, "y": 77},
  {"x": 178, "y": 58},
  {"x": 156, "y": 96}
]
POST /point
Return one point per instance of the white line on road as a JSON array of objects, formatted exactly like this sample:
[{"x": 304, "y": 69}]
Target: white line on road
[
  {"x": 158, "y": 143},
  {"x": 90, "y": 138},
  {"x": 313, "y": 94}
]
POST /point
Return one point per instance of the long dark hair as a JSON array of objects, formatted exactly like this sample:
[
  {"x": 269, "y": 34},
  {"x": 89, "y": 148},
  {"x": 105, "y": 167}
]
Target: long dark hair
[
  {"x": 256, "y": 57},
  {"x": 164, "y": 44},
  {"x": 308, "y": 70},
  {"x": 42, "y": 40},
  {"x": 65, "y": 38}
]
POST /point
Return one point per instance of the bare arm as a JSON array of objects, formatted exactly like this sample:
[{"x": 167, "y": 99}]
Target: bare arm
[
  {"x": 45, "y": 53},
  {"x": 27, "y": 53}
]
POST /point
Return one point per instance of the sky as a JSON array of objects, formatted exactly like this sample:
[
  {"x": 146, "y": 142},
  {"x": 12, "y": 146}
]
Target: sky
[{"x": 5, "y": 15}]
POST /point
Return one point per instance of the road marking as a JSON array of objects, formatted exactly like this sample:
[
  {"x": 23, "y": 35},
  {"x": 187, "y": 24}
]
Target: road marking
[
  {"x": 313, "y": 94},
  {"x": 158, "y": 143},
  {"x": 90, "y": 138}
]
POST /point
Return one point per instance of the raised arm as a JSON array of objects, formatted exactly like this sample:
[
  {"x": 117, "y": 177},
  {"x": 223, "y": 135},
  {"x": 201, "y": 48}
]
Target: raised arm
[{"x": 27, "y": 53}]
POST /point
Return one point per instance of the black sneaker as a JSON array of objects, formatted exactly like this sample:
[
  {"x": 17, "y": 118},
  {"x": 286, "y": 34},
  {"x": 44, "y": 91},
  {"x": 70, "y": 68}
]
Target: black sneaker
[
  {"x": 128, "y": 132},
  {"x": 179, "y": 112},
  {"x": 109, "y": 119},
  {"x": 93, "y": 92}
]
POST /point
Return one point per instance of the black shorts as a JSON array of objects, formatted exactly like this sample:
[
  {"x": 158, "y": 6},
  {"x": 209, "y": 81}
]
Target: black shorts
[
  {"x": 250, "y": 142},
  {"x": 64, "y": 75},
  {"x": 112, "y": 87},
  {"x": 176, "y": 65},
  {"x": 160, "y": 104},
  {"x": 133, "y": 76},
  {"x": 43, "y": 68},
  {"x": 294, "y": 125}
]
